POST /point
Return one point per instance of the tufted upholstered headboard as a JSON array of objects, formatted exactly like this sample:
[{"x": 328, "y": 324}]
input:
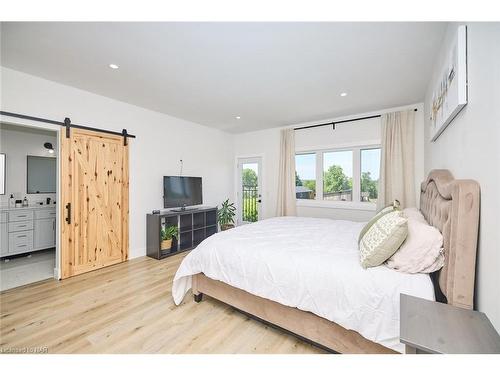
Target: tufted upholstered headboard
[{"x": 452, "y": 206}]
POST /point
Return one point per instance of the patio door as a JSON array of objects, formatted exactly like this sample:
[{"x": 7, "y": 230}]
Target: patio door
[{"x": 249, "y": 189}]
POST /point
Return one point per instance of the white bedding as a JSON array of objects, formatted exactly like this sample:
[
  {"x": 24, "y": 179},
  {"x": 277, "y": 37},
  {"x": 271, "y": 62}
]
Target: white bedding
[{"x": 311, "y": 264}]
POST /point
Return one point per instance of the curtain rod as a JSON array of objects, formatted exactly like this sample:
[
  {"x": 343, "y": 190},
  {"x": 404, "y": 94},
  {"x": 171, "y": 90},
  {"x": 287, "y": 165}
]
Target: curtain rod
[
  {"x": 333, "y": 123},
  {"x": 67, "y": 123}
]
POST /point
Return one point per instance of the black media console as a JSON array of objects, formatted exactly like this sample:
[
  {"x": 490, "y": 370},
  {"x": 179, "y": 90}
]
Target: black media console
[{"x": 194, "y": 226}]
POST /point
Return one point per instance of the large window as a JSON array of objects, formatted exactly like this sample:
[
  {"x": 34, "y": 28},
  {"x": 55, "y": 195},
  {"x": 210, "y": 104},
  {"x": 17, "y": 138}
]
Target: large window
[
  {"x": 337, "y": 175},
  {"x": 347, "y": 176},
  {"x": 370, "y": 174},
  {"x": 305, "y": 176}
]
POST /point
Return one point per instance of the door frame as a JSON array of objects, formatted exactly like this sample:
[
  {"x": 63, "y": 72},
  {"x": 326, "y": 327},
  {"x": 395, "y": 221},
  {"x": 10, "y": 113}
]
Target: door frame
[
  {"x": 57, "y": 131},
  {"x": 237, "y": 180}
]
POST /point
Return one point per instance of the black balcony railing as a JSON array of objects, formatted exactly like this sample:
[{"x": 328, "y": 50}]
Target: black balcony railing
[{"x": 250, "y": 211}]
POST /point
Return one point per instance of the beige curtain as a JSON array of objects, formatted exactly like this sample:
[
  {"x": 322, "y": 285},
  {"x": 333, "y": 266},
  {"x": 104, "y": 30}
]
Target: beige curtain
[
  {"x": 397, "y": 165},
  {"x": 286, "y": 178}
]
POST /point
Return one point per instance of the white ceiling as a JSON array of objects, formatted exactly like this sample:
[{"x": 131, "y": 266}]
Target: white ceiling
[{"x": 270, "y": 74}]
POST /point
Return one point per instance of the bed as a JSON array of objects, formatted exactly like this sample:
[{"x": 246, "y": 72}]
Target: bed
[{"x": 303, "y": 274}]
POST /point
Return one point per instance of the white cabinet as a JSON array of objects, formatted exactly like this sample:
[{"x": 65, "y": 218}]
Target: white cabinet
[{"x": 45, "y": 233}]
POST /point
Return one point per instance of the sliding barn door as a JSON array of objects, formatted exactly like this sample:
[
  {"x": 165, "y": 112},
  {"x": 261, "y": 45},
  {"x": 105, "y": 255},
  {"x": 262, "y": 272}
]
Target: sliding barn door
[{"x": 94, "y": 207}]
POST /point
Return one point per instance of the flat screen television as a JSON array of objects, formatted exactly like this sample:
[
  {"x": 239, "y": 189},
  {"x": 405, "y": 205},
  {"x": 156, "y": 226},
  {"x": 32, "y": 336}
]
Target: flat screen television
[{"x": 180, "y": 191}]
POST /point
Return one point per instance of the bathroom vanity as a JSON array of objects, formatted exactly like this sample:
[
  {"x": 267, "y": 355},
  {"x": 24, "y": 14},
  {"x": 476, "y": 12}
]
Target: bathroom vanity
[{"x": 27, "y": 229}]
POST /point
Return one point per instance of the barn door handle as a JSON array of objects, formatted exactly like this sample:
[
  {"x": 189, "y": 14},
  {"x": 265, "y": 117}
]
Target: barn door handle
[{"x": 68, "y": 217}]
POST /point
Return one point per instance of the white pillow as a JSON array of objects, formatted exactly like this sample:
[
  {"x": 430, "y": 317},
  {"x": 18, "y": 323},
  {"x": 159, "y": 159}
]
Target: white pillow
[
  {"x": 414, "y": 213},
  {"x": 422, "y": 251}
]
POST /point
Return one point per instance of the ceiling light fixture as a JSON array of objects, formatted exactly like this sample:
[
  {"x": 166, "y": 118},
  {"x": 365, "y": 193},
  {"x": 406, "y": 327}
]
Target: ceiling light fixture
[
  {"x": 343, "y": 94},
  {"x": 238, "y": 117},
  {"x": 113, "y": 66},
  {"x": 49, "y": 147}
]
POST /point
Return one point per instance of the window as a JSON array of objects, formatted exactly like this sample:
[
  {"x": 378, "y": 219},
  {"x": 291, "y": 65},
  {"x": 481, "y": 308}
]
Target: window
[
  {"x": 370, "y": 174},
  {"x": 305, "y": 176},
  {"x": 337, "y": 176},
  {"x": 347, "y": 177}
]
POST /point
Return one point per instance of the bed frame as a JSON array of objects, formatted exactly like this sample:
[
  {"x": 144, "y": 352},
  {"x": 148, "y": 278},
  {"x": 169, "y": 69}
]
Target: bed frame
[{"x": 452, "y": 206}]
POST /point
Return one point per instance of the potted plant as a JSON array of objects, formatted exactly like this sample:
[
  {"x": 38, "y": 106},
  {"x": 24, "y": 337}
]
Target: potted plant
[
  {"x": 167, "y": 234},
  {"x": 225, "y": 215}
]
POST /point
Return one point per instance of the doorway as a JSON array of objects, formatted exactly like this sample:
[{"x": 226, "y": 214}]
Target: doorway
[
  {"x": 28, "y": 204},
  {"x": 249, "y": 189},
  {"x": 89, "y": 180}
]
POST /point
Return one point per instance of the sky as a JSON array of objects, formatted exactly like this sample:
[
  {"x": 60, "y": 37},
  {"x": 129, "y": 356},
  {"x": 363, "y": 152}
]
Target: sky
[
  {"x": 370, "y": 162},
  {"x": 252, "y": 166},
  {"x": 305, "y": 164}
]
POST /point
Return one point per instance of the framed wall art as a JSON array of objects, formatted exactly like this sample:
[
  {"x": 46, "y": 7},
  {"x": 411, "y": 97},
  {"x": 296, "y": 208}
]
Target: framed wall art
[{"x": 450, "y": 91}]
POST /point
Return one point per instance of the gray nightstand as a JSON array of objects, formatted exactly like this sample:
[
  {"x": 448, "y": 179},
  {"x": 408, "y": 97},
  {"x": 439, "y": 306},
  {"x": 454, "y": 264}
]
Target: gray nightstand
[{"x": 433, "y": 327}]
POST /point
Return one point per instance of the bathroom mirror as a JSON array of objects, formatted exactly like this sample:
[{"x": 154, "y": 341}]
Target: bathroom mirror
[{"x": 41, "y": 175}]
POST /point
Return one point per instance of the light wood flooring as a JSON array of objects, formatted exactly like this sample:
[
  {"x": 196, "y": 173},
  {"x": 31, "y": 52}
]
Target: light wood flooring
[{"x": 128, "y": 308}]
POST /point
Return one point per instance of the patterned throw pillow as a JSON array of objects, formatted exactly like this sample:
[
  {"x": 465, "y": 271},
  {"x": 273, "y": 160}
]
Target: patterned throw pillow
[
  {"x": 383, "y": 239},
  {"x": 392, "y": 207}
]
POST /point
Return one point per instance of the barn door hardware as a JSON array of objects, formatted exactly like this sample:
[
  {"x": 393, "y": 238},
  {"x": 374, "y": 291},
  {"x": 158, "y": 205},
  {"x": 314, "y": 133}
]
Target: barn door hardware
[{"x": 68, "y": 125}]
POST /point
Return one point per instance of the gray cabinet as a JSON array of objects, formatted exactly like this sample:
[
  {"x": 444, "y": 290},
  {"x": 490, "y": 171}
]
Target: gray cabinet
[
  {"x": 4, "y": 239},
  {"x": 44, "y": 233},
  {"x": 27, "y": 229},
  {"x": 20, "y": 215},
  {"x": 20, "y": 242}
]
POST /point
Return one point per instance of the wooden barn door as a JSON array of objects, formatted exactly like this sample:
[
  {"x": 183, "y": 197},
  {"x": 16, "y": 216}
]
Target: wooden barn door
[{"x": 94, "y": 207}]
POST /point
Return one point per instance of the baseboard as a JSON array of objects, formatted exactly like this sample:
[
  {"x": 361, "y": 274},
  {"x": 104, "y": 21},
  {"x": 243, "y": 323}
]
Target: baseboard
[{"x": 136, "y": 253}]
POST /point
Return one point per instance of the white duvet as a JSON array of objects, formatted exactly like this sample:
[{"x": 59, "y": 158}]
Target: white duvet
[{"x": 311, "y": 264}]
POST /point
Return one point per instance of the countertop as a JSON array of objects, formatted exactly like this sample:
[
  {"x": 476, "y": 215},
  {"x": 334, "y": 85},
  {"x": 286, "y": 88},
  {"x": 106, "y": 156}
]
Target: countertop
[{"x": 32, "y": 207}]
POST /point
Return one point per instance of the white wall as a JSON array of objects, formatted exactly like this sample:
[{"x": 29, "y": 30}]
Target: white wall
[
  {"x": 266, "y": 143},
  {"x": 470, "y": 148},
  {"x": 17, "y": 144},
  {"x": 161, "y": 142}
]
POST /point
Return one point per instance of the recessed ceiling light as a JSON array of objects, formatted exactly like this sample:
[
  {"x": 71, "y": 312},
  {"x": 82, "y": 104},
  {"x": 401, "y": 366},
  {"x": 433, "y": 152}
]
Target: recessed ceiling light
[
  {"x": 343, "y": 94},
  {"x": 238, "y": 117},
  {"x": 113, "y": 66}
]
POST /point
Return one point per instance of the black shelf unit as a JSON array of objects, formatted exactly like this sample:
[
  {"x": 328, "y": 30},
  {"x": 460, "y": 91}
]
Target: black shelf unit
[{"x": 194, "y": 226}]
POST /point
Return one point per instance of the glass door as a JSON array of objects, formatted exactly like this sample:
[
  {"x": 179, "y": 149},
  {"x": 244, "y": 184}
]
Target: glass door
[{"x": 249, "y": 190}]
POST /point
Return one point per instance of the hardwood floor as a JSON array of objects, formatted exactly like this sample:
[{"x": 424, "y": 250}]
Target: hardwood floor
[{"x": 128, "y": 308}]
